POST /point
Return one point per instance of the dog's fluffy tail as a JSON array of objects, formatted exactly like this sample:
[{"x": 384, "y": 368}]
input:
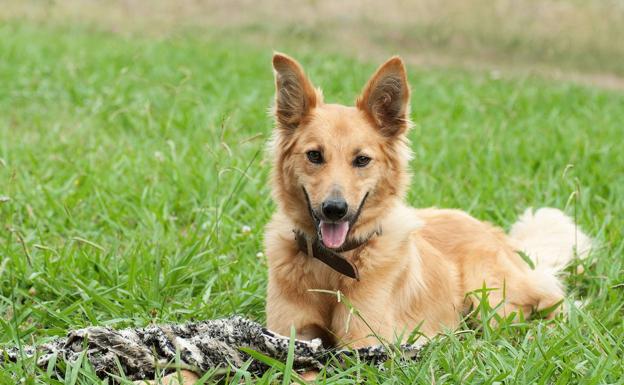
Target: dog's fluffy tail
[{"x": 550, "y": 238}]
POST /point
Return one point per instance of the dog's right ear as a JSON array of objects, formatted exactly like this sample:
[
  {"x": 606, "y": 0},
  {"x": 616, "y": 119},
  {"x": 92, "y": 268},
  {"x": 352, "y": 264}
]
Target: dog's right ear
[{"x": 295, "y": 95}]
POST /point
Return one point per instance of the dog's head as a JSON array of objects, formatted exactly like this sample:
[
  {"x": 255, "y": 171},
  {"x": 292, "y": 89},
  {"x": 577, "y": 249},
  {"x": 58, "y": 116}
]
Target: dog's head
[{"x": 338, "y": 169}]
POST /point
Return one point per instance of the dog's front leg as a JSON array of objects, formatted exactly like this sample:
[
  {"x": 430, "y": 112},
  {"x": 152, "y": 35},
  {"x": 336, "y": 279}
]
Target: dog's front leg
[
  {"x": 364, "y": 321},
  {"x": 303, "y": 311}
]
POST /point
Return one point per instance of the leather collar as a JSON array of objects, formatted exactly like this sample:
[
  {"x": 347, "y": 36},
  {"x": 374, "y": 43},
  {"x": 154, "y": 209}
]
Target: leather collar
[{"x": 331, "y": 257}]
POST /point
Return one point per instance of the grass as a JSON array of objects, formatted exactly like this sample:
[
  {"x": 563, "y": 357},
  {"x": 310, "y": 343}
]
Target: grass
[{"x": 134, "y": 190}]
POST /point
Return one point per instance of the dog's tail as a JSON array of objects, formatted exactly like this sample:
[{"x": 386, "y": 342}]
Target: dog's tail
[{"x": 550, "y": 238}]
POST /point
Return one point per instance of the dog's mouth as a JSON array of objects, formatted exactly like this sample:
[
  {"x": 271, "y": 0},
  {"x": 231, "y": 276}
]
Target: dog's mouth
[{"x": 333, "y": 235}]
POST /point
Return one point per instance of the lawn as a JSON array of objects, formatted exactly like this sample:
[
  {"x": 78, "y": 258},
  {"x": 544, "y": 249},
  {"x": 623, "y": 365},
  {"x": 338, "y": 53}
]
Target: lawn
[{"x": 134, "y": 190}]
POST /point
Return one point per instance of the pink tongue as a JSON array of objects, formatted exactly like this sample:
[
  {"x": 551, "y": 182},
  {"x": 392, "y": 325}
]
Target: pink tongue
[{"x": 334, "y": 234}]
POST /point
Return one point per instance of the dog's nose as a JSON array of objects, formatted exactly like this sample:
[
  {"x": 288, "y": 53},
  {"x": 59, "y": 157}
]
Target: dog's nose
[{"x": 334, "y": 209}]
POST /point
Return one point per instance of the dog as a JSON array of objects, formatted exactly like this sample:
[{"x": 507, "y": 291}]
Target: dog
[
  {"x": 343, "y": 241},
  {"x": 342, "y": 227}
]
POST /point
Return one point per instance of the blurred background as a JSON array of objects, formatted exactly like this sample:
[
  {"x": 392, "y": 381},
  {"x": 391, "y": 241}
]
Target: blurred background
[{"x": 575, "y": 40}]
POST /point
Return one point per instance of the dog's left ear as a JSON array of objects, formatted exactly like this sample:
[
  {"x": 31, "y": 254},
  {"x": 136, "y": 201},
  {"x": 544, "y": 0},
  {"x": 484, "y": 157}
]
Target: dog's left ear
[{"x": 385, "y": 98}]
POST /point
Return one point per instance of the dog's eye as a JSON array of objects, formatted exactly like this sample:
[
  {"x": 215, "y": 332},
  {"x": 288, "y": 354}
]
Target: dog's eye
[
  {"x": 361, "y": 161},
  {"x": 315, "y": 157}
]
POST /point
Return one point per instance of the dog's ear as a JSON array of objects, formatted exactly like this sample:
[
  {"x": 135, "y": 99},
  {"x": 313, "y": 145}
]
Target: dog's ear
[
  {"x": 385, "y": 98},
  {"x": 295, "y": 95}
]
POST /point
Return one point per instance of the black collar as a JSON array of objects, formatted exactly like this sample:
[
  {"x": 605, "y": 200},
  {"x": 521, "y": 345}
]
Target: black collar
[{"x": 331, "y": 257}]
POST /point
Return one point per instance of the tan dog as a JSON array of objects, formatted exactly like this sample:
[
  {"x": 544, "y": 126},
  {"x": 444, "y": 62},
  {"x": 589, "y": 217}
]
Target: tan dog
[{"x": 339, "y": 178}]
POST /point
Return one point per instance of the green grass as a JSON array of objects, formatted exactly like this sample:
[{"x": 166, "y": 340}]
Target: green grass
[{"x": 134, "y": 185}]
